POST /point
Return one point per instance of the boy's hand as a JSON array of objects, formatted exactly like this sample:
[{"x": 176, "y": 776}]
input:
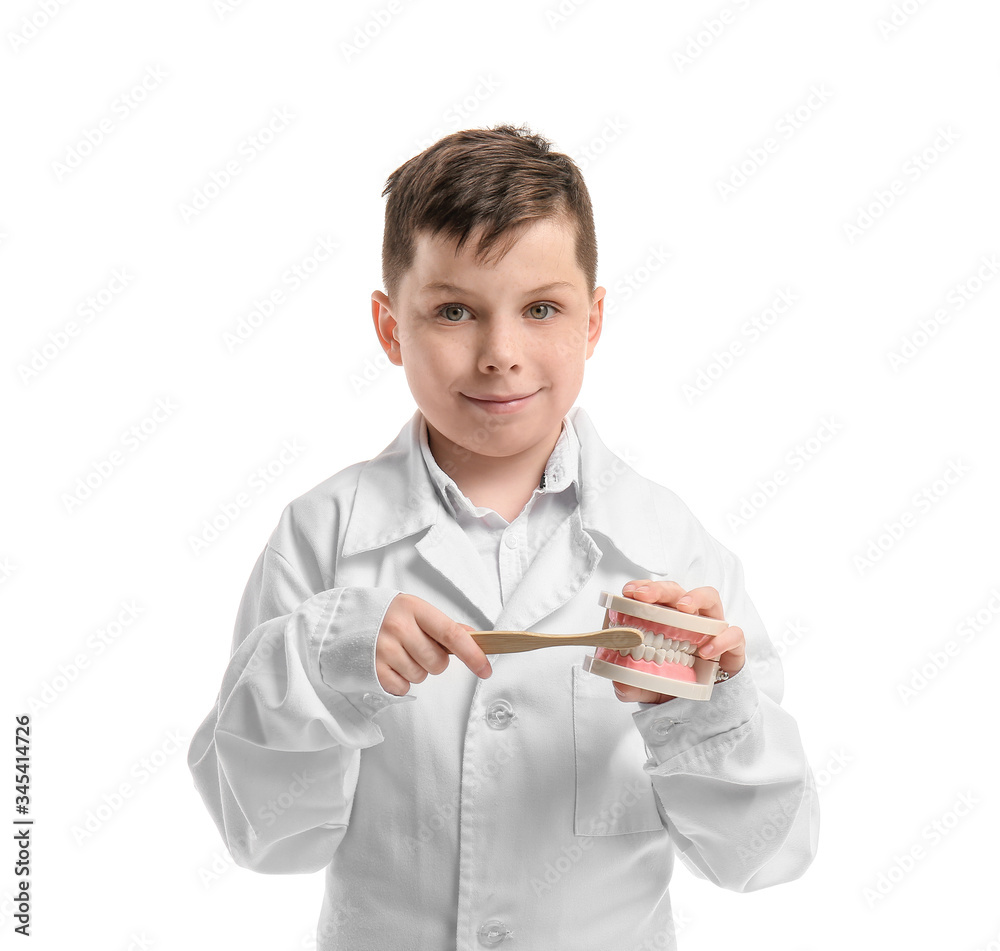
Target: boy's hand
[
  {"x": 729, "y": 647},
  {"x": 407, "y": 647}
]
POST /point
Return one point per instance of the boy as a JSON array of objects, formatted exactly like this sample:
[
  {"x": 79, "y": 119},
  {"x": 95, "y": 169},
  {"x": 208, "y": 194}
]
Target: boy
[{"x": 512, "y": 799}]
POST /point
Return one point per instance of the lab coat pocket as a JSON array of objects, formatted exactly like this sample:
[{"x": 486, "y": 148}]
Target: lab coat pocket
[{"x": 614, "y": 794}]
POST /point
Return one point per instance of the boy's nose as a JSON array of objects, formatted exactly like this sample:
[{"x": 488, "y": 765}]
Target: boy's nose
[{"x": 500, "y": 347}]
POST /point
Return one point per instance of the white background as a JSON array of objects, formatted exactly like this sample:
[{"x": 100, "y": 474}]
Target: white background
[{"x": 856, "y": 612}]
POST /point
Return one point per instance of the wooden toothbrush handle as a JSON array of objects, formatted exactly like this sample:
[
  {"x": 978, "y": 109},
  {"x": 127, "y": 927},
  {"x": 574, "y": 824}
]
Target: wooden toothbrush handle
[{"x": 510, "y": 642}]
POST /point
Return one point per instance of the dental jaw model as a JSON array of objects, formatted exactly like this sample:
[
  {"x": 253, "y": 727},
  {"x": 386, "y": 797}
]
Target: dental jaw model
[{"x": 666, "y": 662}]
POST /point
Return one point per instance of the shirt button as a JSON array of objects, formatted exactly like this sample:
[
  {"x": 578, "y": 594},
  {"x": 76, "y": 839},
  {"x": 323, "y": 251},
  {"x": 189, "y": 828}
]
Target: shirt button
[
  {"x": 492, "y": 932},
  {"x": 499, "y": 714},
  {"x": 661, "y": 727},
  {"x": 374, "y": 700},
  {"x": 511, "y": 541}
]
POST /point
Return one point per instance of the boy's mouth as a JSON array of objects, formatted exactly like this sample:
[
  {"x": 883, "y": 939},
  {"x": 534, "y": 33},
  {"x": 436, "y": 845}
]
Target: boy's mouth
[{"x": 501, "y": 403}]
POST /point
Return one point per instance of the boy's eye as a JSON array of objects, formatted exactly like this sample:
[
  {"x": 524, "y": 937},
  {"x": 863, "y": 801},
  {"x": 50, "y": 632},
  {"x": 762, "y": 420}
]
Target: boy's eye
[
  {"x": 449, "y": 310},
  {"x": 535, "y": 306}
]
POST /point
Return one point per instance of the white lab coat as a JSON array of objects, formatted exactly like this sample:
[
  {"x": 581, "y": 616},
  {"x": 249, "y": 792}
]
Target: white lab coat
[{"x": 532, "y": 810}]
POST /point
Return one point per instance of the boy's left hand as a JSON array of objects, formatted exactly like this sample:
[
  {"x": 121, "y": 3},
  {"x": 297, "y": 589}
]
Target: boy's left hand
[{"x": 729, "y": 647}]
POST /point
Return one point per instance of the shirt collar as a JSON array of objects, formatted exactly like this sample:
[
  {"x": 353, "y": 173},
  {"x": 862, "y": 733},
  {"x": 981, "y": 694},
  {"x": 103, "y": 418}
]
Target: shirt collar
[
  {"x": 396, "y": 496},
  {"x": 561, "y": 470}
]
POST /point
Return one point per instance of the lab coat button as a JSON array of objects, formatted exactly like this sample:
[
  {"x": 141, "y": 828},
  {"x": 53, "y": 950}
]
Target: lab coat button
[
  {"x": 492, "y": 932},
  {"x": 499, "y": 714},
  {"x": 374, "y": 700},
  {"x": 511, "y": 541}
]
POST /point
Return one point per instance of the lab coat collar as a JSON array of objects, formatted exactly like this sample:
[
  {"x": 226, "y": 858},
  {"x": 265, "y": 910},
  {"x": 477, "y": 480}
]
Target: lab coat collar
[{"x": 396, "y": 498}]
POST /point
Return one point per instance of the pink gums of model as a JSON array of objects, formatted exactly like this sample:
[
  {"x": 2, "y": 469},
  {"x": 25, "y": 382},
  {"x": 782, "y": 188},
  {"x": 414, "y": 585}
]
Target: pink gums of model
[{"x": 665, "y": 652}]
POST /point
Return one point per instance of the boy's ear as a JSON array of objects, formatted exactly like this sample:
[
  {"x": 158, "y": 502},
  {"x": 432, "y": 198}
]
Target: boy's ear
[
  {"x": 385, "y": 326},
  {"x": 596, "y": 320}
]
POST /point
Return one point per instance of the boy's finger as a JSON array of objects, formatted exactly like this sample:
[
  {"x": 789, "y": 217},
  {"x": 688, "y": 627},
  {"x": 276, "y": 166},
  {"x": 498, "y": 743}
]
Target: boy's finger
[
  {"x": 656, "y": 592},
  {"x": 705, "y": 600},
  {"x": 453, "y": 637},
  {"x": 629, "y": 694},
  {"x": 731, "y": 639}
]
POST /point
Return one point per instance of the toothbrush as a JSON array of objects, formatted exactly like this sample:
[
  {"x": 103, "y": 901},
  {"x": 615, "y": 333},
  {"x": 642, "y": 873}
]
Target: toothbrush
[{"x": 510, "y": 642}]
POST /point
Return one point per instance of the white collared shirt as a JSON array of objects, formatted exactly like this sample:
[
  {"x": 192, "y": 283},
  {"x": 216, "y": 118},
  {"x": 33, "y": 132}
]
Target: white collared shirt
[
  {"x": 506, "y": 549},
  {"x": 533, "y": 809}
]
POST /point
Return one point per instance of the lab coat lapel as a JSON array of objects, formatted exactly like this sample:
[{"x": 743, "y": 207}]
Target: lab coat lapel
[
  {"x": 447, "y": 549},
  {"x": 550, "y": 582},
  {"x": 395, "y": 498}
]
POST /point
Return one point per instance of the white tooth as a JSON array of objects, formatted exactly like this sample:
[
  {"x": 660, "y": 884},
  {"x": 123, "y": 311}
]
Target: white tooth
[
  {"x": 685, "y": 646},
  {"x": 637, "y": 652},
  {"x": 623, "y": 651},
  {"x": 648, "y": 652},
  {"x": 647, "y": 638},
  {"x": 689, "y": 660},
  {"x": 659, "y": 656},
  {"x": 658, "y": 641}
]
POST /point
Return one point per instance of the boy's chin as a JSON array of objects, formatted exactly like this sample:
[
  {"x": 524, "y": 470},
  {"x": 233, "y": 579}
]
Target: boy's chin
[{"x": 505, "y": 437}]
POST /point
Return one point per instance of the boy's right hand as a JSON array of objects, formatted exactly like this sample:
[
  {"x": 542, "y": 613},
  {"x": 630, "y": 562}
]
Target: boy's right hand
[{"x": 408, "y": 645}]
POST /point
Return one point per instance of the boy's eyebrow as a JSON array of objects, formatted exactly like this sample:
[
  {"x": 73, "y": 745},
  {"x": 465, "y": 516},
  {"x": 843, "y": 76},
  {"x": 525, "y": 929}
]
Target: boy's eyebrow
[{"x": 452, "y": 288}]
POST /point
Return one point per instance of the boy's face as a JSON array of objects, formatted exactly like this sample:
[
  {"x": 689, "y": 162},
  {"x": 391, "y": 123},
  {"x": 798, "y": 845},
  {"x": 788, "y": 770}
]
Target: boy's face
[{"x": 496, "y": 332}]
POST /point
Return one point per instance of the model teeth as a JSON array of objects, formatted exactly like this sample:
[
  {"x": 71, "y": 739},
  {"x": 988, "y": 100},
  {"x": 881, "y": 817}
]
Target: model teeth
[
  {"x": 657, "y": 649},
  {"x": 658, "y": 641}
]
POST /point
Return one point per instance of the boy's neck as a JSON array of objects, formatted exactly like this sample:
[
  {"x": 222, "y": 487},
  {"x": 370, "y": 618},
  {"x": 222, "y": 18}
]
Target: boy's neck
[{"x": 503, "y": 484}]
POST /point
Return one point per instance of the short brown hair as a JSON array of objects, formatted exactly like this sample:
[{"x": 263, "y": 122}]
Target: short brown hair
[{"x": 499, "y": 178}]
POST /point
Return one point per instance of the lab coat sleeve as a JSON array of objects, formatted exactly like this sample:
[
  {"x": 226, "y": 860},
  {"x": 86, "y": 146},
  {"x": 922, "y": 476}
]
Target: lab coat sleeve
[
  {"x": 276, "y": 760},
  {"x": 732, "y": 783}
]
